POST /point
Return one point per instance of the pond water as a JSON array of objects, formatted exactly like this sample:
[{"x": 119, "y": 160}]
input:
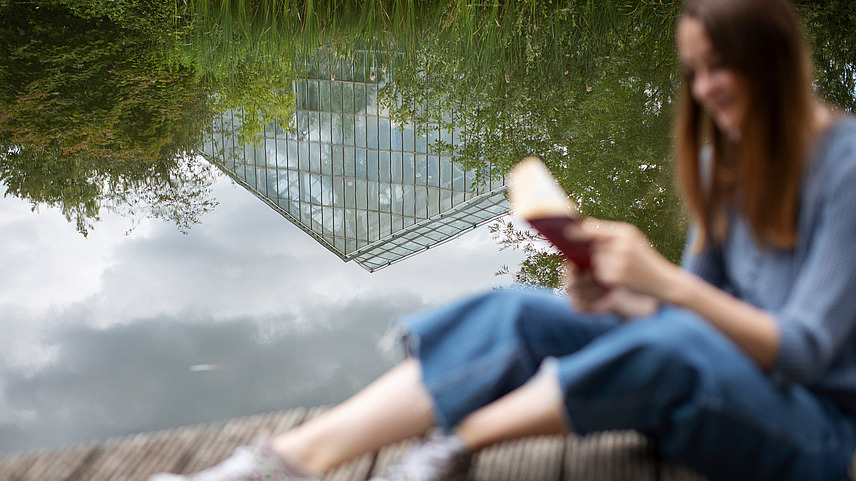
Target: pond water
[{"x": 210, "y": 213}]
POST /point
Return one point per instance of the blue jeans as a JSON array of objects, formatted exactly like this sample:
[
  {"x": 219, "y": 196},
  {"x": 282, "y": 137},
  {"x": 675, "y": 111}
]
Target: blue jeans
[{"x": 671, "y": 377}]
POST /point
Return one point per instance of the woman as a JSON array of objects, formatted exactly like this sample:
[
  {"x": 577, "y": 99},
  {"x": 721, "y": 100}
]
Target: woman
[{"x": 741, "y": 363}]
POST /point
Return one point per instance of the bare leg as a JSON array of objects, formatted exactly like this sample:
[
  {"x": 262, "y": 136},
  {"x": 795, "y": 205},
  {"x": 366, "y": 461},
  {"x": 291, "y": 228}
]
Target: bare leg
[
  {"x": 533, "y": 409},
  {"x": 394, "y": 407}
]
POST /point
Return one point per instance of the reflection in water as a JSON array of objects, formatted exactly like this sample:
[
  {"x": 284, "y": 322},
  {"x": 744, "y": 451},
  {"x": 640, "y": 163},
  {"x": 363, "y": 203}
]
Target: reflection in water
[{"x": 364, "y": 187}]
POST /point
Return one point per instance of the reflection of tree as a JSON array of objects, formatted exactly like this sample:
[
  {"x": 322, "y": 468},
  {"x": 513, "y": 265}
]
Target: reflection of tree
[
  {"x": 593, "y": 100},
  {"x": 91, "y": 118}
]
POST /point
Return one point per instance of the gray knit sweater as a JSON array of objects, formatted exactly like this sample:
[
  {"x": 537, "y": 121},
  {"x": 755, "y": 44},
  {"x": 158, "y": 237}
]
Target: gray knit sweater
[{"x": 810, "y": 289}]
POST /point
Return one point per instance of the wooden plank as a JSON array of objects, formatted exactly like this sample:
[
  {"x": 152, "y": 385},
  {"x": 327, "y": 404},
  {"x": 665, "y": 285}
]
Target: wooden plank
[
  {"x": 60, "y": 465},
  {"x": 612, "y": 456},
  {"x": 13, "y": 466},
  {"x": 221, "y": 440},
  {"x": 530, "y": 459}
]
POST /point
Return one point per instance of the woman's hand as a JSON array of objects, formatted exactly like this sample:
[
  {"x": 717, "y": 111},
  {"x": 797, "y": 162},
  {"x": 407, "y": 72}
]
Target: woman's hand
[
  {"x": 622, "y": 257},
  {"x": 590, "y": 296}
]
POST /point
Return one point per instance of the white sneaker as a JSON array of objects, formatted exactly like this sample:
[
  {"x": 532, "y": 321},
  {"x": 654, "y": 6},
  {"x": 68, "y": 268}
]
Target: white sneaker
[
  {"x": 247, "y": 463},
  {"x": 439, "y": 457}
]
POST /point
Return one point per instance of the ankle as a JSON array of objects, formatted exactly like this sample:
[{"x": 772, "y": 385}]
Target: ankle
[{"x": 299, "y": 455}]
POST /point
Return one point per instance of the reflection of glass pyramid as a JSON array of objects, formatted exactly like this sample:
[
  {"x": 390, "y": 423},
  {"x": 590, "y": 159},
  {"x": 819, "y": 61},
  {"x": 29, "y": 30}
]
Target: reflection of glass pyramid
[{"x": 364, "y": 188}]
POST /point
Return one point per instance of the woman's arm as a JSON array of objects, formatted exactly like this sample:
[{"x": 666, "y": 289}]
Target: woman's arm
[{"x": 623, "y": 257}]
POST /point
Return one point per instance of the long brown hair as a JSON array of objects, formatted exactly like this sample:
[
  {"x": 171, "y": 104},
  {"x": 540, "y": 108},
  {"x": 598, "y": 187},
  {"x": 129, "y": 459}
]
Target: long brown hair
[{"x": 759, "y": 173}]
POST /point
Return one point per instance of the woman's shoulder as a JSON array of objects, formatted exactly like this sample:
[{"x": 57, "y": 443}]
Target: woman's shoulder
[{"x": 835, "y": 150}]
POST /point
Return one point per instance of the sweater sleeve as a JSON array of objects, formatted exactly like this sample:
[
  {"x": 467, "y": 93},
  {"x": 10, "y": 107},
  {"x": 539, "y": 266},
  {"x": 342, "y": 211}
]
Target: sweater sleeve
[
  {"x": 707, "y": 263},
  {"x": 819, "y": 317}
]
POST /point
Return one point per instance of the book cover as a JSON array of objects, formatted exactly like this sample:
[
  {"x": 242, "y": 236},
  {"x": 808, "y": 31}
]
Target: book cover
[{"x": 536, "y": 196}]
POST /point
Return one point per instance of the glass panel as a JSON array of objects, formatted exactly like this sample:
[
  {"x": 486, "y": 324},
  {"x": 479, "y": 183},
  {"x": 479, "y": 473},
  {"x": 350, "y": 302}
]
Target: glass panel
[
  {"x": 433, "y": 170},
  {"x": 270, "y": 151},
  {"x": 294, "y": 185},
  {"x": 362, "y": 194},
  {"x": 433, "y": 202},
  {"x": 302, "y": 95},
  {"x": 292, "y": 154},
  {"x": 306, "y": 215},
  {"x": 304, "y": 187},
  {"x": 338, "y": 223},
  {"x": 385, "y": 225},
  {"x": 315, "y": 157},
  {"x": 360, "y": 131},
  {"x": 362, "y": 225},
  {"x": 316, "y": 218},
  {"x": 327, "y": 220},
  {"x": 396, "y": 139},
  {"x": 371, "y": 132},
  {"x": 348, "y": 129},
  {"x": 371, "y": 164},
  {"x": 372, "y": 196},
  {"x": 350, "y": 223},
  {"x": 303, "y": 155},
  {"x": 383, "y": 134},
  {"x": 371, "y": 99},
  {"x": 421, "y": 170},
  {"x": 336, "y": 97},
  {"x": 359, "y": 98},
  {"x": 446, "y": 172},
  {"x": 348, "y": 98},
  {"x": 338, "y": 191},
  {"x": 408, "y": 166},
  {"x": 336, "y": 128},
  {"x": 338, "y": 161},
  {"x": 350, "y": 162},
  {"x": 361, "y": 163},
  {"x": 395, "y": 160},
  {"x": 384, "y": 197},
  {"x": 383, "y": 166},
  {"x": 458, "y": 178},
  {"x": 397, "y": 192},
  {"x": 326, "y": 190},
  {"x": 272, "y": 189},
  {"x": 312, "y": 94},
  {"x": 281, "y": 154},
  {"x": 409, "y": 136},
  {"x": 324, "y": 88},
  {"x": 302, "y": 125},
  {"x": 314, "y": 126},
  {"x": 421, "y": 201},
  {"x": 326, "y": 159},
  {"x": 326, "y": 127},
  {"x": 421, "y": 143},
  {"x": 282, "y": 183},
  {"x": 409, "y": 201},
  {"x": 445, "y": 200},
  {"x": 350, "y": 190},
  {"x": 374, "y": 226}
]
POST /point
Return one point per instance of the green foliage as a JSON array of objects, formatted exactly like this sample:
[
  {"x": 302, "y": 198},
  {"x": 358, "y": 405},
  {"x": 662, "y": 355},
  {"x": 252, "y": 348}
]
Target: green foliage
[
  {"x": 830, "y": 28},
  {"x": 588, "y": 86},
  {"x": 90, "y": 118}
]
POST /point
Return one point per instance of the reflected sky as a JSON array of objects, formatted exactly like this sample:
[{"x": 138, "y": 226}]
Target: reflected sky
[{"x": 115, "y": 334}]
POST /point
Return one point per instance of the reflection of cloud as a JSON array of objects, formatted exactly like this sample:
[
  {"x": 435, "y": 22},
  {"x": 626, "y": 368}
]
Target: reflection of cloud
[
  {"x": 138, "y": 376},
  {"x": 99, "y": 334}
]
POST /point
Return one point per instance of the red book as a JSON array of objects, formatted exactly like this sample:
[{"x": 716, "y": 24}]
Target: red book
[{"x": 537, "y": 197}]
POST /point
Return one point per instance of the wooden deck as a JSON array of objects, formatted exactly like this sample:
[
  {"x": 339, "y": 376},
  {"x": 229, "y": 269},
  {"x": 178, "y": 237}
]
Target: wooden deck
[{"x": 614, "y": 456}]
